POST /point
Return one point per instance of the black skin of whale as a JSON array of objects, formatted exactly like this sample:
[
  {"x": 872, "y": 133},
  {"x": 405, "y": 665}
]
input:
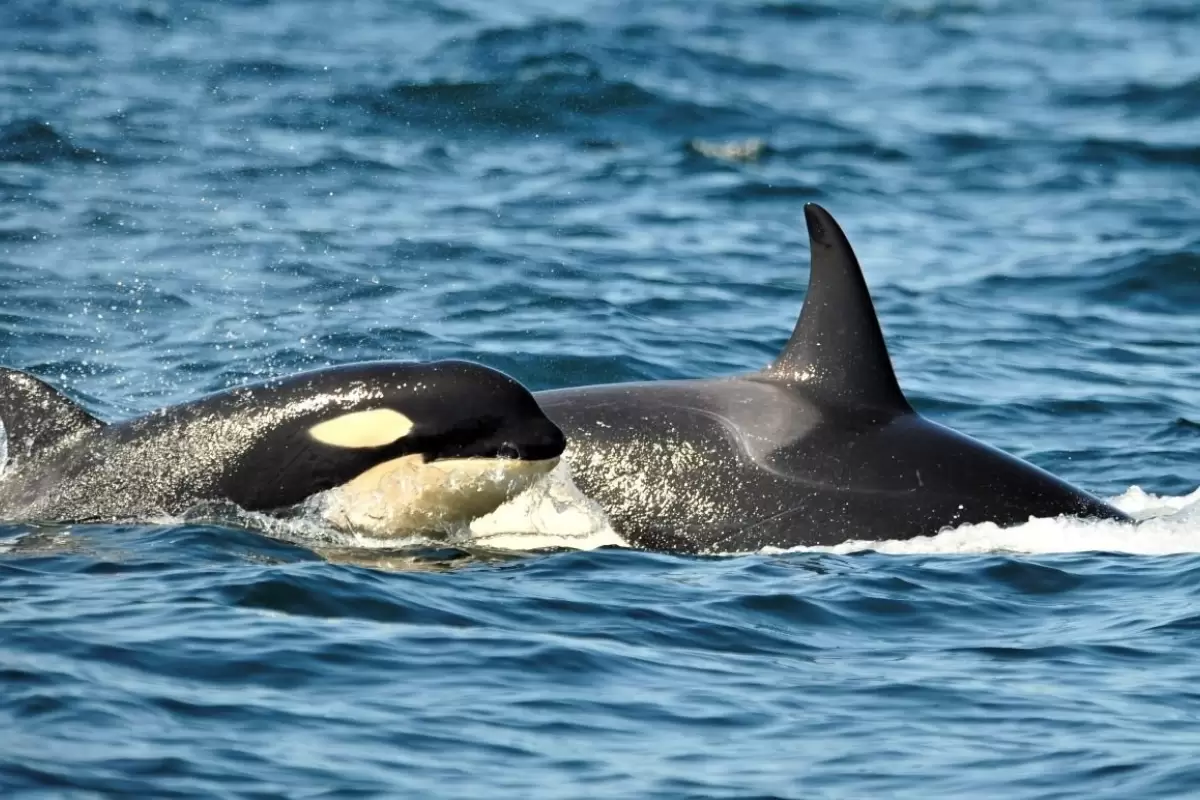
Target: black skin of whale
[
  {"x": 819, "y": 448},
  {"x": 251, "y": 446}
]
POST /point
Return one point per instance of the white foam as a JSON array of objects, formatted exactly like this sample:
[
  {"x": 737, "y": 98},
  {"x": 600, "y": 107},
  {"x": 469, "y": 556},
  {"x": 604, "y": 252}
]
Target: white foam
[
  {"x": 1142, "y": 505},
  {"x": 554, "y": 513},
  {"x": 1164, "y": 525},
  {"x": 551, "y": 513}
]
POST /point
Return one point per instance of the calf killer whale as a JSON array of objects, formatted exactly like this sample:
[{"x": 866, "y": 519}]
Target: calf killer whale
[
  {"x": 819, "y": 448},
  {"x": 381, "y": 448}
]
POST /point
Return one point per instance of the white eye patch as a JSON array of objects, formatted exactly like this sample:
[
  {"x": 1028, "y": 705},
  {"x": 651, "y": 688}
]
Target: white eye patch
[{"x": 373, "y": 428}]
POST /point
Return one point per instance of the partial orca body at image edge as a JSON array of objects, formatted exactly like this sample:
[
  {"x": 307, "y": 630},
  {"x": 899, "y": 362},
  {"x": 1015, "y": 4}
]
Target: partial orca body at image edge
[
  {"x": 819, "y": 448},
  {"x": 391, "y": 448}
]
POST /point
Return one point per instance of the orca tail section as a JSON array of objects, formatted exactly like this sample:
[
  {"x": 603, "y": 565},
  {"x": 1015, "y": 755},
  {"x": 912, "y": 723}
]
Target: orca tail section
[
  {"x": 35, "y": 417},
  {"x": 837, "y": 351}
]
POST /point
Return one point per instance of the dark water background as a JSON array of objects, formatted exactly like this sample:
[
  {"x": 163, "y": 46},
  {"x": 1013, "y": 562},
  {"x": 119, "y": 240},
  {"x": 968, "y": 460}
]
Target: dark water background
[{"x": 193, "y": 194}]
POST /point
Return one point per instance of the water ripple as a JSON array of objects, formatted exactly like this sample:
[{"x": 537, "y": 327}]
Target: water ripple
[{"x": 34, "y": 142}]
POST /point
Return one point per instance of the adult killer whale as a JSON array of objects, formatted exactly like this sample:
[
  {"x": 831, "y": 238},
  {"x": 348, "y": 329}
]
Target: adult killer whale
[
  {"x": 818, "y": 448},
  {"x": 382, "y": 448}
]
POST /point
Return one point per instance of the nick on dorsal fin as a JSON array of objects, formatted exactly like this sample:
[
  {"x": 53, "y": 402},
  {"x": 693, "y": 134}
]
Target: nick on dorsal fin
[
  {"x": 837, "y": 350},
  {"x": 34, "y": 417}
]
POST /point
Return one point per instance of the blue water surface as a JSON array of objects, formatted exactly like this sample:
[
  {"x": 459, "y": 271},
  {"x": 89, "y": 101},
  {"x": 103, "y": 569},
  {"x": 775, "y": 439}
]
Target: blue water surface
[{"x": 196, "y": 194}]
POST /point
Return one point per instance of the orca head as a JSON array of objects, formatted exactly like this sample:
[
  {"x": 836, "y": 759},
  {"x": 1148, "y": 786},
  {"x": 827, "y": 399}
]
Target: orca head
[
  {"x": 444, "y": 411},
  {"x": 468, "y": 438},
  {"x": 390, "y": 449}
]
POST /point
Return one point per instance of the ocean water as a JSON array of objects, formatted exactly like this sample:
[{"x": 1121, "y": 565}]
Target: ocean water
[{"x": 196, "y": 194}]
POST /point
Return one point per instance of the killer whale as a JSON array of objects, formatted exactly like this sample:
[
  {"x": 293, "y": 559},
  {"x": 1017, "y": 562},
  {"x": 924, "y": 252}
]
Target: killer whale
[
  {"x": 818, "y": 448},
  {"x": 382, "y": 448}
]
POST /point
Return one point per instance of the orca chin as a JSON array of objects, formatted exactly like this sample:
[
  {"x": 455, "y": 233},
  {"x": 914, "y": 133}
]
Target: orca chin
[
  {"x": 407, "y": 495},
  {"x": 818, "y": 448}
]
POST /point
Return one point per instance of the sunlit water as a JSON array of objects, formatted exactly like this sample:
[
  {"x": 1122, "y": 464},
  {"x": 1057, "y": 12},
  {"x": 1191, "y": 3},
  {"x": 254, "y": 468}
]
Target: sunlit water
[{"x": 197, "y": 194}]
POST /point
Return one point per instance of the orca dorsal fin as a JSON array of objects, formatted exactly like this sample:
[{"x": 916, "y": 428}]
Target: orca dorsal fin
[
  {"x": 837, "y": 349},
  {"x": 35, "y": 417}
]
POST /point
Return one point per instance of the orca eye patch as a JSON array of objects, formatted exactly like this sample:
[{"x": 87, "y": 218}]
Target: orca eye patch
[
  {"x": 359, "y": 429},
  {"x": 468, "y": 439}
]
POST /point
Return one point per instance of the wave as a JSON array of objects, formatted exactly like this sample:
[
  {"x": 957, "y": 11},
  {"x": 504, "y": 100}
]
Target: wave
[
  {"x": 1136, "y": 151},
  {"x": 25, "y": 16},
  {"x": 1150, "y": 280},
  {"x": 1144, "y": 279},
  {"x": 1170, "y": 102},
  {"x": 562, "y": 75},
  {"x": 1164, "y": 525},
  {"x": 552, "y": 514},
  {"x": 803, "y": 11},
  {"x": 30, "y": 141},
  {"x": 260, "y": 69},
  {"x": 557, "y": 98},
  {"x": 556, "y": 517},
  {"x": 1172, "y": 11}
]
